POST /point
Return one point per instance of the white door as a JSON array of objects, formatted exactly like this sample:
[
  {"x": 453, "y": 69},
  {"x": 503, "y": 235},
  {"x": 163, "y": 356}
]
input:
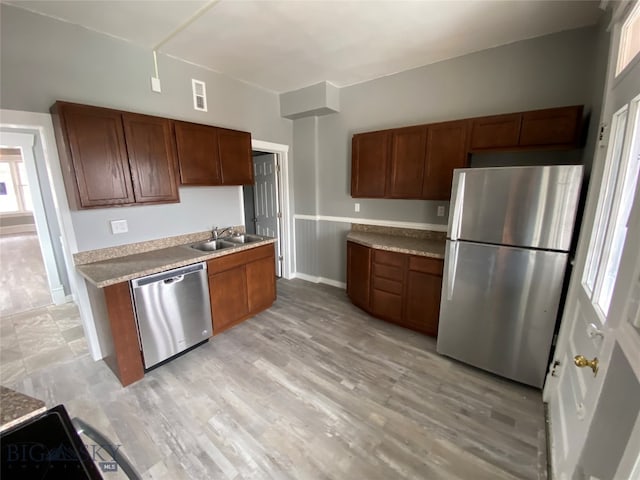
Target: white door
[
  {"x": 593, "y": 410},
  {"x": 267, "y": 202}
]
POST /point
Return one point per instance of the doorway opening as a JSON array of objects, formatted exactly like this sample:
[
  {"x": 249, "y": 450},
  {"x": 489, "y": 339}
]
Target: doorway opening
[
  {"x": 23, "y": 278},
  {"x": 263, "y": 202}
]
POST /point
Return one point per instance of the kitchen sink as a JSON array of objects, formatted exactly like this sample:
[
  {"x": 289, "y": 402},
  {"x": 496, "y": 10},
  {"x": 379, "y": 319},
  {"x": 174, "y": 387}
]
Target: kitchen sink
[
  {"x": 247, "y": 238},
  {"x": 212, "y": 245}
]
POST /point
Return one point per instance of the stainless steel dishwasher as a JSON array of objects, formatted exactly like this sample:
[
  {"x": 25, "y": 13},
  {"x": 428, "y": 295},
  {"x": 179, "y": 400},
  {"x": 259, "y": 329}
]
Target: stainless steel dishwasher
[{"x": 172, "y": 312}]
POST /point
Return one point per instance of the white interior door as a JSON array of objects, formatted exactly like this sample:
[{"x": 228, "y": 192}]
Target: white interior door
[
  {"x": 593, "y": 410},
  {"x": 267, "y": 202}
]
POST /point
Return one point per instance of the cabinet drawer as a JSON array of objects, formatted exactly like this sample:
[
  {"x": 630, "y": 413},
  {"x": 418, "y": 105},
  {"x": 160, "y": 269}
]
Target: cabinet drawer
[
  {"x": 391, "y": 286},
  {"x": 386, "y": 271},
  {"x": 389, "y": 258},
  {"x": 426, "y": 265},
  {"x": 386, "y": 305}
]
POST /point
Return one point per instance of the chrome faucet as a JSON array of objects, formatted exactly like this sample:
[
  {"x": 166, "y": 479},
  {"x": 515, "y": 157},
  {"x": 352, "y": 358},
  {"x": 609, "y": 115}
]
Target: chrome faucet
[{"x": 216, "y": 232}]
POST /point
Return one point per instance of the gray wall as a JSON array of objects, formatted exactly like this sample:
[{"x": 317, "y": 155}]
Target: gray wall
[
  {"x": 549, "y": 71},
  {"x": 43, "y": 60}
]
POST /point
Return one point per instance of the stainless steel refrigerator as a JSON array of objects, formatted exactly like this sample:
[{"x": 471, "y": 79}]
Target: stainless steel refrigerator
[{"x": 507, "y": 251}]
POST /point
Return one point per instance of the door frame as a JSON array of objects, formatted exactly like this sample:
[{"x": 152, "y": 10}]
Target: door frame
[
  {"x": 26, "y": 143},
  {"x": 41, "y": 125},
  {"x": 287, "y": 239}
]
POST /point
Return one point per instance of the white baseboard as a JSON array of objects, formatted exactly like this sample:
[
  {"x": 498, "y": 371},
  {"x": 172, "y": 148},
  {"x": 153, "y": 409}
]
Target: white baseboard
[
  {"x": 58, "y": 296},
  {"x": 326, "y": 281}
]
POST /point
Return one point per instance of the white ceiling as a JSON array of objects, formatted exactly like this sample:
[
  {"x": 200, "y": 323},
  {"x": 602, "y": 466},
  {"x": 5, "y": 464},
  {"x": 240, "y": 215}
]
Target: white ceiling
[{"x": 285, "y": 45}]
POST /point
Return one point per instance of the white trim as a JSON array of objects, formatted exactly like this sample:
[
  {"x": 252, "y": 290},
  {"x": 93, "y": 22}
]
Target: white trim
[
  {"x": 57, "y": 293},
  {"x": 287, "y": 242},
  {"x": 43, "y": 128},
  {"x": 372, "y": 221},
  {"x": 326, "y": 281},
  {"x": 13, "y": 229}
]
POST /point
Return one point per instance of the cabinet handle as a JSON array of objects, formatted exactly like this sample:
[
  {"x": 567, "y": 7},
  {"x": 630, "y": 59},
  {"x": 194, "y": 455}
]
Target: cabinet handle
[{"x": 456, "y": 217}]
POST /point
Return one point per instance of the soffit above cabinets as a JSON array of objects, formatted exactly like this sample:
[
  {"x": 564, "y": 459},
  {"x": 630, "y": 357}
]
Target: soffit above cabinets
[{"x": 286, "y": 45}]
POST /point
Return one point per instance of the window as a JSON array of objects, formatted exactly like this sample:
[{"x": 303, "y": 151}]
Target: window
[
  {"x": 629, "y": 39},
  {"x": 614, "y": 206},
  {"x": 15, "y": 195}
]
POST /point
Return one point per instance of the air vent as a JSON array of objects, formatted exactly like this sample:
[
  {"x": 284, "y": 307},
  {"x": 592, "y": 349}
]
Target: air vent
[{"x": 199, "y": 95}]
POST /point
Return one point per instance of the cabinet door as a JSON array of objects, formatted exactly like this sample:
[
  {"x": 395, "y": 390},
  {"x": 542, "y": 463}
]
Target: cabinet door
[
  {"x": 151, "y": 157},
  {"x": 499, "y": 131},
  {"x": 422, "y": 302},
  {"x": 369, "y": 161},
  {"x": 446, "y": 150},
  {"x": 234, "y": 152},
  {"x": 228, "y": 292},
  {"x": 358, "y": 274},
  {"x": 406, "y": 172},
  {"x": 554, "y": 126},
  {"x": 98, "y": 155},
  {"x": 261, "y": 284},
  {"x": 197, "y": 147}
]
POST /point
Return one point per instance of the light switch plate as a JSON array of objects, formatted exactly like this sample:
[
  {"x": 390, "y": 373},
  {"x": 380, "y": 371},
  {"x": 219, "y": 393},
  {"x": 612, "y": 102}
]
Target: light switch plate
[
  {"x": 155, "y": 84},
  {"x": 119, "y": 226},
  {"x": 357, "y": 207}
]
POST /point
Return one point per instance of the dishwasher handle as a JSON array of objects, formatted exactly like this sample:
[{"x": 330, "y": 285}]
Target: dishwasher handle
[
  {"x": 170, "y": 276},
  {"x": 176, "y": 279}
]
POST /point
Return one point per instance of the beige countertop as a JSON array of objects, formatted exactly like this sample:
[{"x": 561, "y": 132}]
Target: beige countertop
[
  {"x": 16, "y": 407},
  {"x": 122, "y": 269},
  {"x": 426, "y": 247}
]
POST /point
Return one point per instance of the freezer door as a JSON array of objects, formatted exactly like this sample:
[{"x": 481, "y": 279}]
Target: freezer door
[
  {"x": 520, "y": 206},
  {"x": 499, "y": 307}
]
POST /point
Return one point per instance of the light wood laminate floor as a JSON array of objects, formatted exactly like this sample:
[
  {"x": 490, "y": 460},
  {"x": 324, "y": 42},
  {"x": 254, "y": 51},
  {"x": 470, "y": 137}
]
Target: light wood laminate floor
[{"x": 313, "y": 388}]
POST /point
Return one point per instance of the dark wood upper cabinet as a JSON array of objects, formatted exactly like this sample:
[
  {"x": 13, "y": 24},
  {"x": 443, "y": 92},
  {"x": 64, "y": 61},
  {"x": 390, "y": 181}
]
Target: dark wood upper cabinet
[
  {"x": 446, "y": 151},
  {"x": 234, "y": 152},
  {"x": 369, "y": 162},
  {"x": 197, "y": 147},
  {"x": 496, "y": 132},
  {"x": 418, "y": 162},
  {"x": 112, "y": 158},
  {"x": 213, "y": 156},
  {"x": 406, "y": 168},
  {"x": 549, "y": 128},
  {"x": 554, "y": 126},
  {"x": 151, "y": 158},
  {"x": 93, "y": 154}
]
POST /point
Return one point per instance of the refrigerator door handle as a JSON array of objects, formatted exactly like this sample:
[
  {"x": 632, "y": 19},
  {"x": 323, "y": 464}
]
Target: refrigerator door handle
[
  {"x": 456, "y": 216},
  {"x": 452, "y": 266}
]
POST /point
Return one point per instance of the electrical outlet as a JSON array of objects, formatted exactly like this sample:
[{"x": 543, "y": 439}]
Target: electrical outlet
[
  {"x": 441, "y": 210},
  {"x": 119, "y": 226},
  {"x": 357, "y": 207}
]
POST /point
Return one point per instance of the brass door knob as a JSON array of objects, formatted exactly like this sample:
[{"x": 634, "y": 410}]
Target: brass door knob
[{"x": 581, "y": 361}]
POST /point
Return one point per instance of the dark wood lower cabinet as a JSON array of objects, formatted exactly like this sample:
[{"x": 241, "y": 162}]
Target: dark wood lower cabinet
[
  {"x": 422, "y": 302},
  {"x": 228, "y": 293},
  {"x": 241, "y": 285},
  {"x": 358, "y": 274},
  {"x": 400, "y": 288}
]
